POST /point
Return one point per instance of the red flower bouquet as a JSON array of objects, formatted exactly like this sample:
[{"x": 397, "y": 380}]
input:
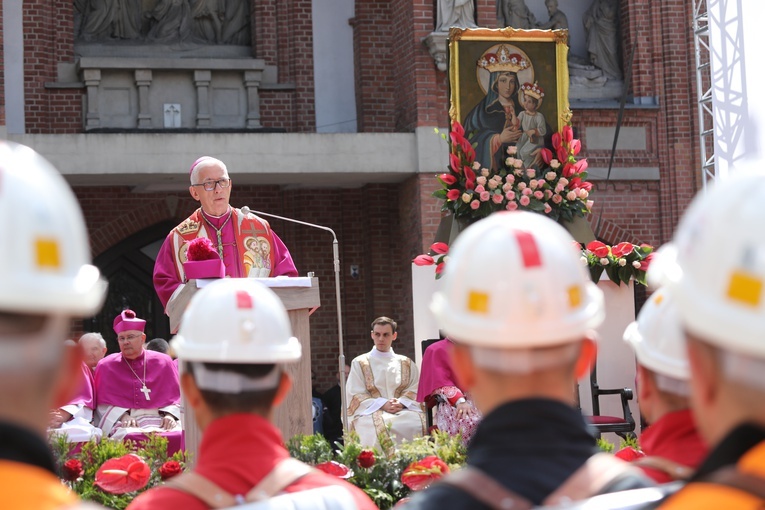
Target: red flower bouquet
[{"x": 419, "y": 475}]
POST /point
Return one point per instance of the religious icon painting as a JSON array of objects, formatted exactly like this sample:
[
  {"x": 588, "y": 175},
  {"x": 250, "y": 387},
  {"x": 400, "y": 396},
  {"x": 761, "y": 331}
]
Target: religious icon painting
[{"x": 509, "y": 89}]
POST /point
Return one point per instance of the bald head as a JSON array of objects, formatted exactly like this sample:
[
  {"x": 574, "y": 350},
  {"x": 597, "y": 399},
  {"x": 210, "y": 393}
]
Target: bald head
[{"x": 93, "y": 347}]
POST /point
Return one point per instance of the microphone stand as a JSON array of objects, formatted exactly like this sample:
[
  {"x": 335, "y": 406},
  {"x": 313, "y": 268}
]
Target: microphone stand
[{"x": 336, "y": 260}]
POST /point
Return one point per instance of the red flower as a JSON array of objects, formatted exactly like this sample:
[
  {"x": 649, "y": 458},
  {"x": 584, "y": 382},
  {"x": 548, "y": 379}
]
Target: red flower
[
  {"x": 562, "y": 154},
  {"x": 568, "y": 134},
  {"x": 598, "y": 249},
  {"x": 335, "y": 469},
  {"x": 169, "y": 469},
  {"x": 646, "y": 262},
  {"x": 454, "y": 163},
  {"x": 71, "y": 470},
  {"x": 128, "y": 473},
  {"x": 469, "y": 174},
  {"x": 576, "y": 146},
  {"x": 575, "y": 183},
  {"x": 580, "y": 166},
  {"x": 453, "y": 194},
  {"x": 440, "y": 248},
  {"x": 439, "y": 268},
  {"x": 556, "y": 141},
  {"x": 457, "y": 127},
  {"x": 586, "y": 185},
  {"x": 419, "y": 475},
  {"x": 629, "y": 454},
  {"x": 423, "y": 260},
  {"x": 568, "y": 170},
  {"x": 366, "y": 458},
  {"x": 469, "y": 184},
  {"x": 455, "y": 139},
  {"x": 622, "y": 249},
  {"x": 546, "y": 156},
  {"x": 201, "y": 248},
  {"x": 447, "y": 179}
]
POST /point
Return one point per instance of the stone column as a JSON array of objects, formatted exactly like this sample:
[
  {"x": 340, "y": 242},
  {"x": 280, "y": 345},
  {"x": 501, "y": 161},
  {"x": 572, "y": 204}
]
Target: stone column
[
  {"x": 202, "y": 82},
  {"x": 251, "y": 84},
  {"x": 143, "y": 81},
  {"x": 92, "y": 78}
]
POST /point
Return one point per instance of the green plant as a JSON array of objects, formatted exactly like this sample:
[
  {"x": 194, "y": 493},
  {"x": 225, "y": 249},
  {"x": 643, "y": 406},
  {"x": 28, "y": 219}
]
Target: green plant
[{"x": 605, "y": 446}]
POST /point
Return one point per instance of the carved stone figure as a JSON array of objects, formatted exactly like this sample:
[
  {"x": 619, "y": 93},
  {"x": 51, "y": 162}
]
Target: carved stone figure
[
  {"x": 515, "y": 13},
  {"x": 208, "y": 20},
  {"x": 236, "y": 23},
  {"x": 171, "y": 21},
  {"x": 601, "y": 25},
  {"x": 112, "y": 19},
  {"x": 455, "y": 13},
  {"x": 557, "y": 19}
]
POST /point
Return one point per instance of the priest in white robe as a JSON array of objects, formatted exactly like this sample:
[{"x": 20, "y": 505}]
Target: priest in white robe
[
  {"x": 137, "y": 390},
  {"x": 382, "y": 391}
]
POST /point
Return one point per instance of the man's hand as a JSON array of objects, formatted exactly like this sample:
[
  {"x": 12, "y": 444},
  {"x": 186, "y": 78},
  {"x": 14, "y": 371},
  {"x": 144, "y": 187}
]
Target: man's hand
[
  {"x": 128, "y": 421},
  {"x": 393, "y": 406},
  {"x": 464, "y": 410},
  {"x": 168, "y": 422},
  {"x": 58, "y": 418}
]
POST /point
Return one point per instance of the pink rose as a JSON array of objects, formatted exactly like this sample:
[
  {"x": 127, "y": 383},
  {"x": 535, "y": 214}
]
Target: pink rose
[
  {"x": 492, "y": 184},
  {"x": 512, "y": 150},
  {"x": 497, "y": 199},
  {"x": 525, "y": 201},
  {"x": 510, "y": 178},
  {"x": 526, "y": 192},
  {"x": 555, "y": 164},
  {"x": 512, "y": 206},
  {"x": 521, "y": 185},
  {"x": 538, "y": 195},
  {"x": 475, "y": 204},
  {"x": 557, "y": 199},
  {"x": 547, "y": 208},
  {"x": 583, "y": 193},
  {"x": 560, "y": 187},
  {"x": 481, "y": 180},
  {"x": 476, "y": 165},
  {"x": 510, "y": 195},
  {"x": 484, "y": 172},
  {"x": 548, "y": 194},
  {"x": 589, "y": 204},
  {"x": 563, "y": 181},
  {"x": 533, "y": 183},
  {"x": 530, "y": 172},
  {"x": 507, "y": 187},
  {"x": 479, "y": 189},
  {"x": 571, "y": 196},
  {"x": 518, "y": 164},
  {"x": 485, "y": 196}
]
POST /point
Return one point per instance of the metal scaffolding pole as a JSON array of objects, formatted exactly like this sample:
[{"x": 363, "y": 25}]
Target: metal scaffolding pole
[{"x": 704, "y": 91}]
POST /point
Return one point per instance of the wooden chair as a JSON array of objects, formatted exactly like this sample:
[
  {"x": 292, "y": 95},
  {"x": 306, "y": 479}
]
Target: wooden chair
[
  {"x": 430, "y": 404},
  {"x": 623, "y": 426}
]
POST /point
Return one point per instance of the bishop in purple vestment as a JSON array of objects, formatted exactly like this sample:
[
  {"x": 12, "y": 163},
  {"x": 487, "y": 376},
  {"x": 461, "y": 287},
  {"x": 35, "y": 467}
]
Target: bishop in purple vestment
[
  {"x": 76, "y": 417},
  {"x": 137, "y": 390},
  {"x": 245, "y": 242}
]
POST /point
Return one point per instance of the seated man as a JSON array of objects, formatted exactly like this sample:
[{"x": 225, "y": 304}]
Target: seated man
[
  {"x": 137, "y": 391},
  {"x": 381, "y": 392},
  {"x": 455, "y": 412},
  {"x": 93, "y": 348},
  {"x": 671, "y": 448},
  {"x": 74, "y": 420}
]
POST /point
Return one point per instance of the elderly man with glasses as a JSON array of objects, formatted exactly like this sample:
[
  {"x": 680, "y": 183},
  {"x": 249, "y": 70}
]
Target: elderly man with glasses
[
  {"x": 137, "y": 390},
  {"x": 245, "y": 242}
]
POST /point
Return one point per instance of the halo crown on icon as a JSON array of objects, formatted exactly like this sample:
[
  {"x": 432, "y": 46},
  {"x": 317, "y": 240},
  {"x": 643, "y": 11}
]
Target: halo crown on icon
[
  {"x": 533, "y": 90},
  {"x": 503, "y": 60}
]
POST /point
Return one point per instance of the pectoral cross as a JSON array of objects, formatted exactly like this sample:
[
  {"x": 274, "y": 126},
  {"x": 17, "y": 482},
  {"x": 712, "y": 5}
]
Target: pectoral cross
[{"x": 145, "y": 392}]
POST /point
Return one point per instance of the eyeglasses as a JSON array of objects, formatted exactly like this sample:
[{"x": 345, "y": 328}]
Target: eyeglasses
[
  {"x": 128, "y": 338},
  {"x": 210, "y": 185}
]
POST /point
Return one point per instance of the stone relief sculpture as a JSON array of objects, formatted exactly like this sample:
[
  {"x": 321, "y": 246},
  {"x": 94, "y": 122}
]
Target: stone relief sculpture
[
  {"x": 111, "y": 19},
  {"x": 455, "y": 13},
  {"x": 601, "y": 25},
  {"x": 163, "y": 21},
  {"x": 557, "y": 19},
  {"x": 515, "y": 13},
  {"x": 171, "y": 21}
]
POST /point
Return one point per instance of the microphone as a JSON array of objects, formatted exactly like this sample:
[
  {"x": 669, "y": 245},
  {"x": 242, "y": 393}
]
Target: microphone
[{"x": 336, "y": 260}]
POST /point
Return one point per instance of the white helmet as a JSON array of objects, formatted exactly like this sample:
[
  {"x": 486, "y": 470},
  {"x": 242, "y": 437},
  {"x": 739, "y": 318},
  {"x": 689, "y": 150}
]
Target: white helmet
[
  {"x": 715, "y": 266},
  {"x": 515, "y": 280},
  {"x": 657, "y": 337},
  {"x": 236, "y": 320},
  {"x": 45, "y": 268}
]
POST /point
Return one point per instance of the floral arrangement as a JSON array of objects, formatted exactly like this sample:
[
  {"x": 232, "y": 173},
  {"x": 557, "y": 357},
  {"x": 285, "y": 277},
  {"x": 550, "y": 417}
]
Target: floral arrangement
[
  {"x": 385, "y": 477},
  {"x": 113, "y": 472},
  {"x": 559, "y": 189},
  {"x": 620, "y": 262}
]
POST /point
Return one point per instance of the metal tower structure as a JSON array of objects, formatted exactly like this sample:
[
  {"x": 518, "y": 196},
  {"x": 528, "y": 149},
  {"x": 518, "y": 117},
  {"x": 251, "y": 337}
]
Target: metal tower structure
[{"x": 704, "y": 90}]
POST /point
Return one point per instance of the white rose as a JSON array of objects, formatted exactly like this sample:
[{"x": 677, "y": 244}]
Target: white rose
[
  {"x": 571, "y": 196},
  {"x": 550, "y": 176},
  {"x": 622, "y": 262},
  {"x": 465, "y": 198},
  {"x": 604, "y": 262},
  {"x": 636, "y": 264}
]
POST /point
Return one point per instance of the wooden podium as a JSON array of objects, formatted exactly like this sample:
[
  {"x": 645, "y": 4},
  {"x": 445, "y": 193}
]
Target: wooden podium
[{"x": 300, "y": 297}]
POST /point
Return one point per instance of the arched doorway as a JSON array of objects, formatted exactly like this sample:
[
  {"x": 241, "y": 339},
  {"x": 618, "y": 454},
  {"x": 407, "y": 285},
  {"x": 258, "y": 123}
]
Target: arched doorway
[{"x": 128, "y": 266}]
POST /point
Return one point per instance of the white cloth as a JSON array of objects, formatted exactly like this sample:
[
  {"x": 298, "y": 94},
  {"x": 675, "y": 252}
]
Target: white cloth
[
  {"x": 79, "y": 429},
  {"x": 108, "y": 419},
  {"x": 375, "y": 378},
  {"x": 527, "y": 145}
]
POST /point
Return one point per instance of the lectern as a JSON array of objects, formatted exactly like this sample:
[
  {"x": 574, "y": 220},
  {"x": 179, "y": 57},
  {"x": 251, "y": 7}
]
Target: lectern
[{"x": 300, "y": 297}]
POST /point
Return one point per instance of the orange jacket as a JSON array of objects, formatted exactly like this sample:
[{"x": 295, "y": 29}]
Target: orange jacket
[{"x": 24, "y": 486}]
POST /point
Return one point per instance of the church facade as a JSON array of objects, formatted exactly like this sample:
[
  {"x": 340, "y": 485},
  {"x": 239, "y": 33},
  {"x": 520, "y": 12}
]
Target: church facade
[{"x": 324, "y": 111}]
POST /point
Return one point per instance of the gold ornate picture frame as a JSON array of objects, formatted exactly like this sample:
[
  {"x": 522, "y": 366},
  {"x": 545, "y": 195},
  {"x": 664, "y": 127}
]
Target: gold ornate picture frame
[{"x": 492, "y": 72}]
